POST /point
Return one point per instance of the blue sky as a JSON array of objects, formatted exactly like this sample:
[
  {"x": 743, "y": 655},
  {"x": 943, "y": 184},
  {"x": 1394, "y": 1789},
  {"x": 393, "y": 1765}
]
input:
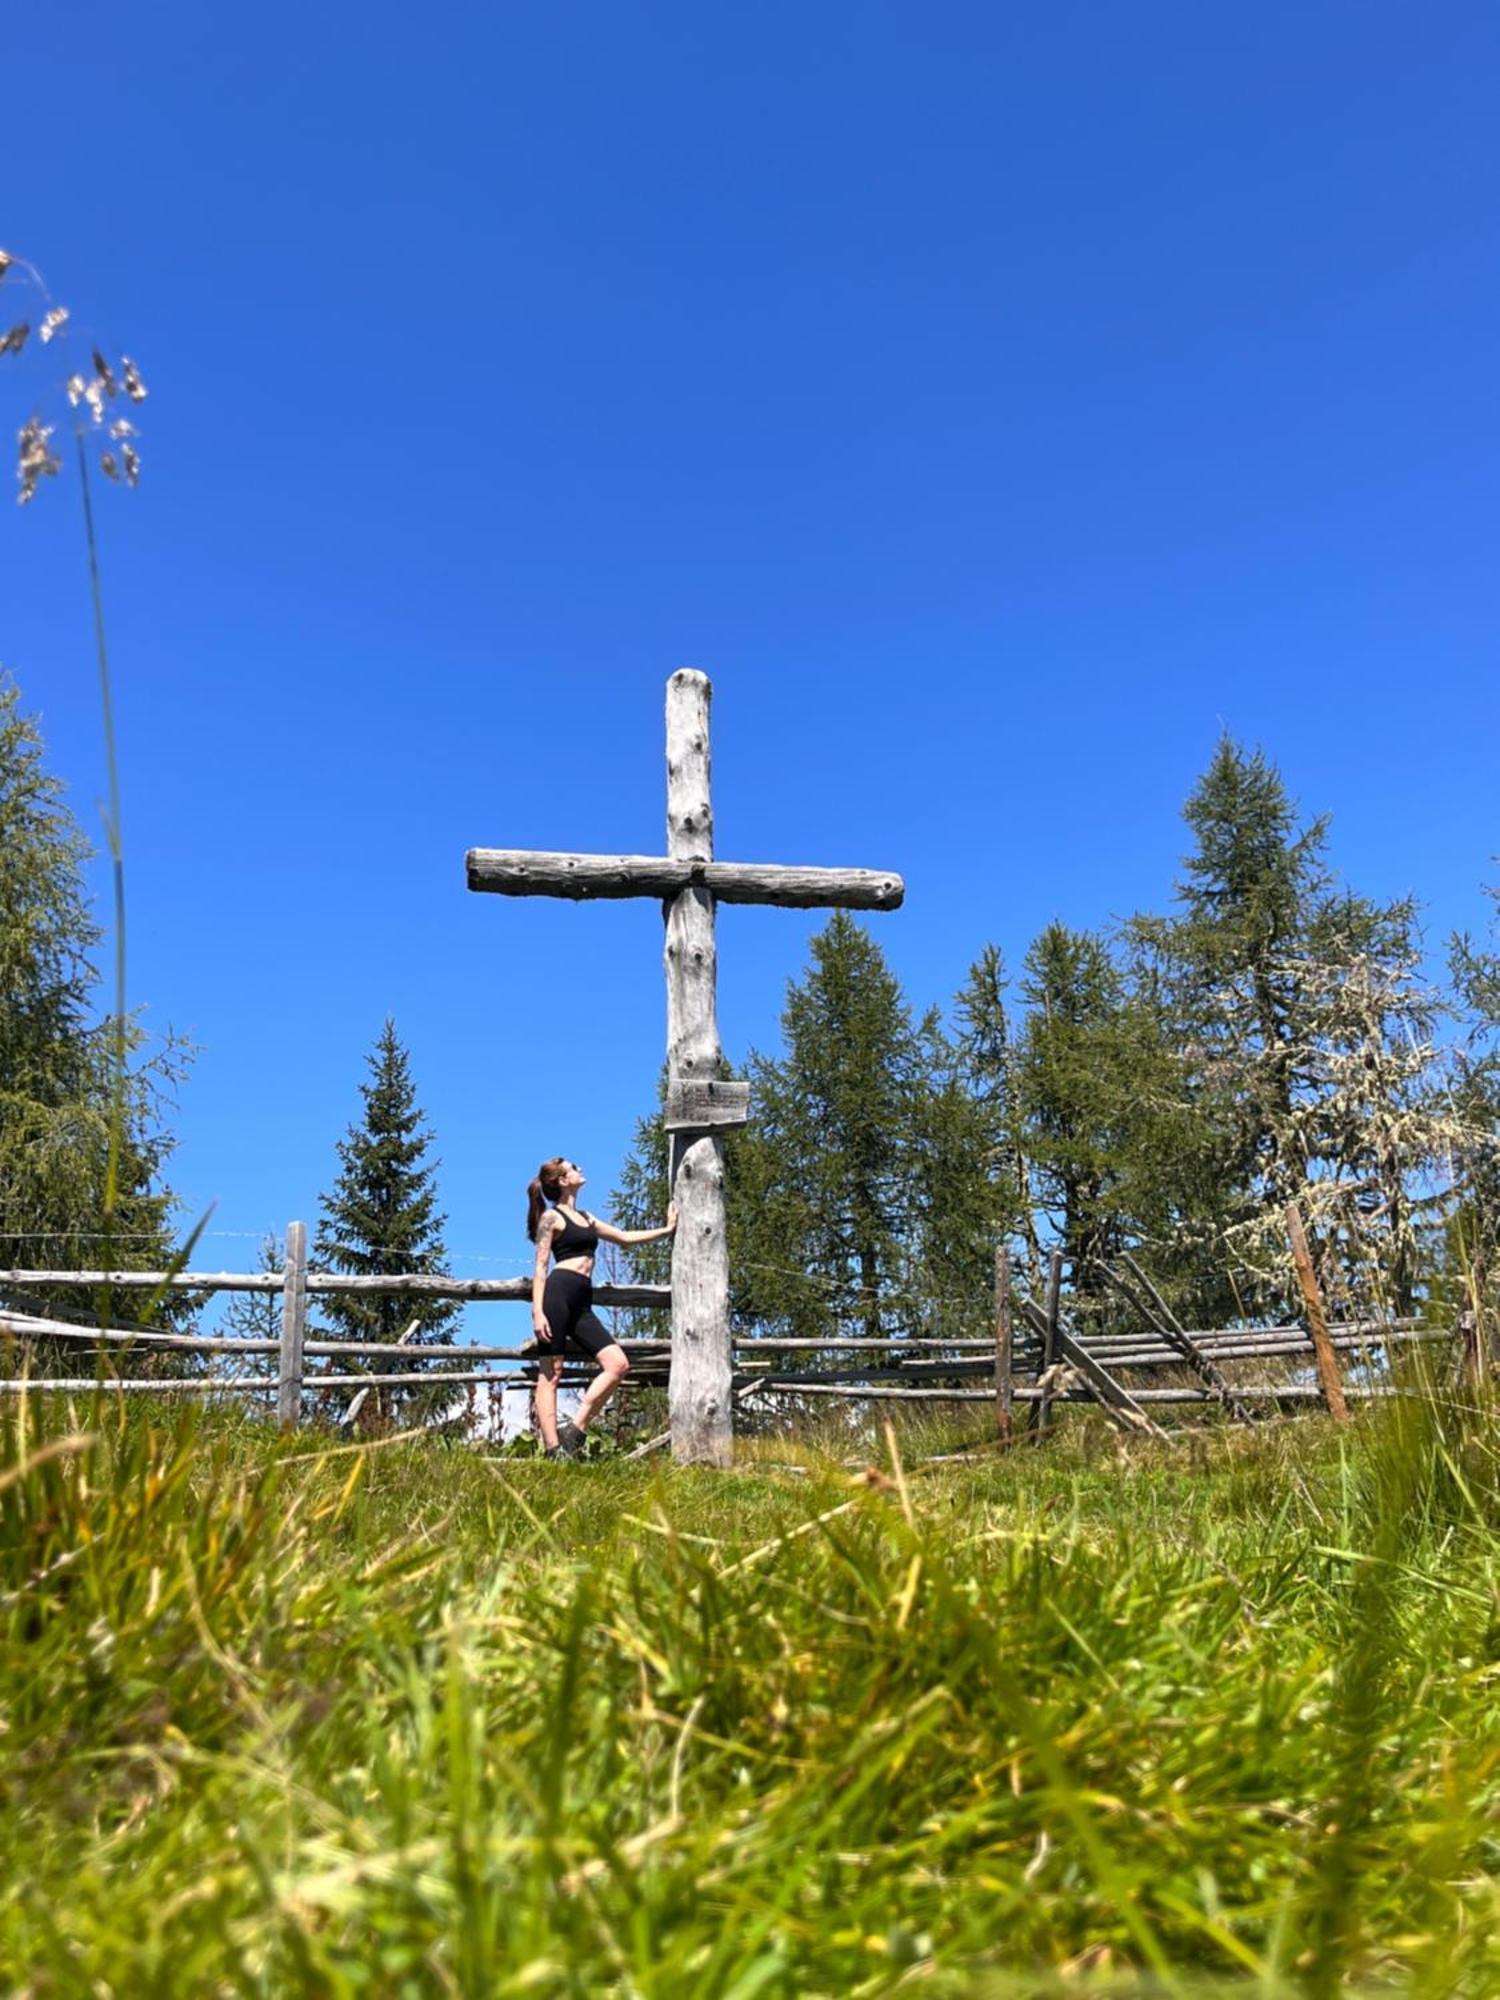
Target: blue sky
[{"x": 996, "y": 402}]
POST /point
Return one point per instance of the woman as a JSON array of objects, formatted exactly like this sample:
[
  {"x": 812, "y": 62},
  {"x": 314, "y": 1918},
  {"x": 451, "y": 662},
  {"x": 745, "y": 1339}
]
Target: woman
[{"x": 562, "y": 1305}]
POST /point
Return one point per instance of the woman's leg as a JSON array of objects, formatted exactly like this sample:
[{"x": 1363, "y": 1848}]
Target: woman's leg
[
  {"x": 549, "y": 1368},
  {"x": 566, "y": 1293},
  {"x": 614, "y": 1366}
]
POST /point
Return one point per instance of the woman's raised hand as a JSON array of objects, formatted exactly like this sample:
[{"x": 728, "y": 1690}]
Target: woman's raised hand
[{"x": 671, "y": 1215}]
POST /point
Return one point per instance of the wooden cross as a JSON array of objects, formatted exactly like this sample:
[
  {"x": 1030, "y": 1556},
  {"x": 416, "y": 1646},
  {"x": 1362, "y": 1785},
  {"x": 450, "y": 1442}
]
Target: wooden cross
[{"x": 699, "y": 1104}]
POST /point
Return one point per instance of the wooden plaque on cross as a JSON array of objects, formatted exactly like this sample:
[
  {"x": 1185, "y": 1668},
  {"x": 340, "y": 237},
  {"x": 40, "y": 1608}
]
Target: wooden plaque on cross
[{"x": 700, "y": 1103}]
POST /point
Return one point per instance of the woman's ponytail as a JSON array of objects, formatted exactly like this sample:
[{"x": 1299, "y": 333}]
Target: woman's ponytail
[{"x": 541, "y": 1190}]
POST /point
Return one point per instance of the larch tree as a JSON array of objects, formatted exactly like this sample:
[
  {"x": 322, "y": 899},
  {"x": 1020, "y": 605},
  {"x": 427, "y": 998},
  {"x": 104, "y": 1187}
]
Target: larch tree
[
  {"x": 1251, "y": 889},
  {"x": 866, "y": 1177},
  {"x": 1097, "y": 1104},
  {"x": 985, "y": 1045},
  {"x": 82, "y": 1145},
  {"x": 1292, "y": 1002},
  {"x": 964, "y": 1159},
  {"x": 1375, "y": 1123},
  {"x": 1475, "y": 1229}
]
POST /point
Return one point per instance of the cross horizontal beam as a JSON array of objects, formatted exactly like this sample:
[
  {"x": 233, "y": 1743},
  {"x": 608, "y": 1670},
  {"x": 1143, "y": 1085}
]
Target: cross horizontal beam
[{"x": 516, "y": 871}]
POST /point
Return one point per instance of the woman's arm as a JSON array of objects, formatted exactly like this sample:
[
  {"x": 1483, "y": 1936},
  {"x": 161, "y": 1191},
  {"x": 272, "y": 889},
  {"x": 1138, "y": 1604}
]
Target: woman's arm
[
  {"x": 609, "y": 1234},
  {"x": 546, "y": 1230}
]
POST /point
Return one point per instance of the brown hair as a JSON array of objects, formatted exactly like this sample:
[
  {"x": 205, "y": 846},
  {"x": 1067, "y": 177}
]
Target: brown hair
[{"x": 543, "y": 1189}]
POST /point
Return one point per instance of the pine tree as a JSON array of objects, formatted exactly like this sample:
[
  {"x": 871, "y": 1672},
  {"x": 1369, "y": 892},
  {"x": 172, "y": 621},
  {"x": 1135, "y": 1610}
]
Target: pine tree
[
  {"x": 381, "y": 1216},
  {"x": 59, "y": 1102}
]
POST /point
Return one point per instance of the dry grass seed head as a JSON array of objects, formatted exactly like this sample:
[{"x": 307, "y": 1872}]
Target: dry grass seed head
[{"x": 36, "y": 459}]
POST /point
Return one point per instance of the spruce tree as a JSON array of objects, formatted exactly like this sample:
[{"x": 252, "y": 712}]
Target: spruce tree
[
  {"x": 829, "y": 1216},
  {"x": 381, "y": 1216},
  {"x": 60, "y": 1106}
]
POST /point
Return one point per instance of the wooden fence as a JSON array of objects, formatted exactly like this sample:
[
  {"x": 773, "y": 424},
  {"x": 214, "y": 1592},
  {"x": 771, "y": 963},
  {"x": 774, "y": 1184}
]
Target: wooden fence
[{"x": 1034, "y": 1357}]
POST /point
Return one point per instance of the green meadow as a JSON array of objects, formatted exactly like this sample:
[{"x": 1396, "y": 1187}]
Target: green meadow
[{"x": 284, "y": 1717}]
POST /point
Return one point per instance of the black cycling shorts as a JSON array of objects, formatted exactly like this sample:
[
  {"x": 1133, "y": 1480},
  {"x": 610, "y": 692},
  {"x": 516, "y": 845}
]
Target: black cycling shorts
[{"x": 568, "y": 1303}]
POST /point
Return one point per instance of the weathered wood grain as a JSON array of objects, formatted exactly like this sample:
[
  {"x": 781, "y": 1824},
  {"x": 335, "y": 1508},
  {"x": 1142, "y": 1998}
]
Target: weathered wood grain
[
  {"x": 1317, "y": 1319},
  {"x": 704, "y": 1104},
  {"x": 1004, "y": 1385},
  {"x": 1158, "y": 1315},
  {"x": 293, "y": 1327},
  {"x": 356, "y": 1403},
  {"x": 699, "y": 1398},
  {"x": 152, "y": 1281},
  {"x": 398, "y": 1284},
  {"x": 1113, "y": 1397},
  {"x": 407, "y": 1285},
  {"x": 1043, "y": 1411},
  {"x": 583, "y": 878}
]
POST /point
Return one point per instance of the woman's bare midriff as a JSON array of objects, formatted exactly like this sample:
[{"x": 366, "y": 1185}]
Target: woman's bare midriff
[{"x": 584, "y": 1266}]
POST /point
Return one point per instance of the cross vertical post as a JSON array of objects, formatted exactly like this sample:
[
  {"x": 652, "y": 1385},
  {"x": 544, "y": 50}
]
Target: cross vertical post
[
  {"x": 701, "y": 1104},
  {"x": 699, "y": 1392}
]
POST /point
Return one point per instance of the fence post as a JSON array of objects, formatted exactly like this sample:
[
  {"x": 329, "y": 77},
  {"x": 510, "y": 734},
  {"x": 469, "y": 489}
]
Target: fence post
[
  {"x": 1042, "y": 1410},
  {"x": 293, "y": 1327},
  {"x": 1317, "y": 1319},
  {"x": 1003, "y": 1383}
]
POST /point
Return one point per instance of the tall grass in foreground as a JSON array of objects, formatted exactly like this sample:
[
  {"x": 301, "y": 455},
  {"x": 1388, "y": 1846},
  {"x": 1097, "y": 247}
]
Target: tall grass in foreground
[{"x": 280, "y": 1718}]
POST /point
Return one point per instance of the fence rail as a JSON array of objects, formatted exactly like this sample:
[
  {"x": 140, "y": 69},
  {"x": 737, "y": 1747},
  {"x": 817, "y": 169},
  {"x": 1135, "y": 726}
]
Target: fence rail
[
  {"x": 1035, "y": 1359},
  {"x": 399, "y": 1284}
]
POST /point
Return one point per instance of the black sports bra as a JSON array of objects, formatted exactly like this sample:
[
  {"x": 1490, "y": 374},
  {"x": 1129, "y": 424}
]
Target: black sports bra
[{"x": 575, "y": 1240}]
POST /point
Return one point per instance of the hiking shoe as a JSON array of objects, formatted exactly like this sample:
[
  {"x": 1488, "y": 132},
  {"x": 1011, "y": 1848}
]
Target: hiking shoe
[
  {"x": 552, "y": 1451},
  {"x": 571, "y": 1441}
]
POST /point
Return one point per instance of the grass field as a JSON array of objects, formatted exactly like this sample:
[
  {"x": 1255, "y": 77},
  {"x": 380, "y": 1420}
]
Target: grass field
[{"x": 280, "y": 1718}]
